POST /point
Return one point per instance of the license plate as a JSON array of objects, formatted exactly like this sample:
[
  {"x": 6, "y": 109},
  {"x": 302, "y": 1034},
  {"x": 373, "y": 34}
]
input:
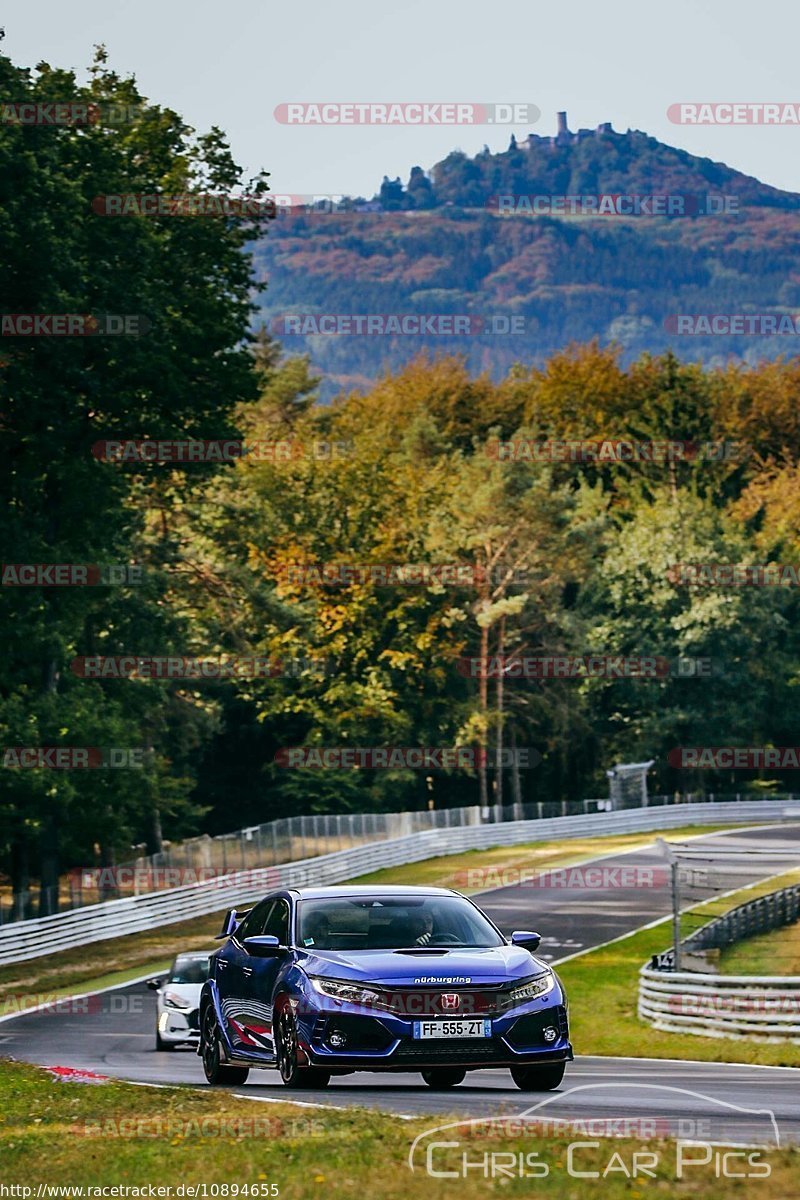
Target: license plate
[{"x": 478, "y": 1028}]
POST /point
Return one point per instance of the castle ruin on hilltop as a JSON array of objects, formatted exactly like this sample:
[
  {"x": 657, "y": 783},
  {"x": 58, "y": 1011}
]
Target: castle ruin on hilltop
[{"x": 565, "y": 137}]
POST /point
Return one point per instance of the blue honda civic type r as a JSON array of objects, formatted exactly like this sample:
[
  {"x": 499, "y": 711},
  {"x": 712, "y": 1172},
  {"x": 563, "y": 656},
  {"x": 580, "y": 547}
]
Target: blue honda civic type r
[{"x": 320, "y": 982}]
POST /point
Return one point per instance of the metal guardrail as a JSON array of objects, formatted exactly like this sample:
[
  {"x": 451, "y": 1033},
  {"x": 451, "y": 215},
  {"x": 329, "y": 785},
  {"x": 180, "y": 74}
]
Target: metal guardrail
[
  {"x": 756, "y": 916},
  {"x": 288, "y": 839},
  {"x": 45, "y": 935},
  {"x": 760, "y": 1007}
]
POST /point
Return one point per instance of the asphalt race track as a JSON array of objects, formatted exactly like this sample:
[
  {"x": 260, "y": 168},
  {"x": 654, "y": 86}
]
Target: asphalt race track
[{"x": 113, "y": 1033}]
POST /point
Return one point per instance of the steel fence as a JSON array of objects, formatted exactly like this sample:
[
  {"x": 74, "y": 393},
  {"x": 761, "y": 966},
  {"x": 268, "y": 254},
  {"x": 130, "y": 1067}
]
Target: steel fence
[{"x": 290, "y": 839}]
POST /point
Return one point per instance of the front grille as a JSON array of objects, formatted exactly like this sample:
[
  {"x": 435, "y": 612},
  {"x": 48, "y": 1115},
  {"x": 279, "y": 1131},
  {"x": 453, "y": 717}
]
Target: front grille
[
  {"x": 193, "y": 1019},
  {"x": 444, "y": 1050},
  {"x": 362, "y": 1033},
  {"x": 418, "y": 1003},
  {"x": 528, "y": 1030}
]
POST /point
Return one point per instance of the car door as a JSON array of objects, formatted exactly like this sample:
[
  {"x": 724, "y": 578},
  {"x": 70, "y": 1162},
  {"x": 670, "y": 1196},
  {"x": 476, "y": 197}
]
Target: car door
[
  {"x": 232, "y": 973},
  {"x": 263, "y": 972}
]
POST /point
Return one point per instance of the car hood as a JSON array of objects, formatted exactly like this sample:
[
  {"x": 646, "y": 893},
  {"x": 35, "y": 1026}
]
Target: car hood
[
  {"x": 402, "y": 969},
  {"x": 188, "y": 992}
]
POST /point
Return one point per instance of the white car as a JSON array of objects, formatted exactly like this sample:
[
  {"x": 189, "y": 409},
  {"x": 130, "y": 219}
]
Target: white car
[{"x": 178, "y": 1000}]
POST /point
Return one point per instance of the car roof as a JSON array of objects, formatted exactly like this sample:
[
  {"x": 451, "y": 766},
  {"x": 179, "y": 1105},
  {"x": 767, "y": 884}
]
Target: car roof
[{"x": 332, "y": 893}]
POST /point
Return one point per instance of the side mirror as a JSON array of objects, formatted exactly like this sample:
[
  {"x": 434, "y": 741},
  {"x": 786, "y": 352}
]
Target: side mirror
[
  {"x": 523, "y": 937},
  {"x": 154, "y": 984},
  {"x": 263, "y": 946}
]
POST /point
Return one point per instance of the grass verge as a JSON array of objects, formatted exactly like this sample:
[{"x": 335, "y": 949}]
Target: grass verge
[
  {"x": 458, "y": 870},
  {"x": 773, "y": 953},
  {"x": 68, "y": 1134}
]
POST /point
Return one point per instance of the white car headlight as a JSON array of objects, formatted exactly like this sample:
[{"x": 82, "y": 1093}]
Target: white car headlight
[
  {"x": 530, "y": 990},
  {"x": 173, "y": 1000},
  {"x": 340, "y": 989}
]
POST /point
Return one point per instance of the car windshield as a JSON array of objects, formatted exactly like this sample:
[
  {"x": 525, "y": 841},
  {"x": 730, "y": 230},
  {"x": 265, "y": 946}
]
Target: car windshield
[
  {"x": 189, "y": 970},
  {"x": 393, "y": 923}
]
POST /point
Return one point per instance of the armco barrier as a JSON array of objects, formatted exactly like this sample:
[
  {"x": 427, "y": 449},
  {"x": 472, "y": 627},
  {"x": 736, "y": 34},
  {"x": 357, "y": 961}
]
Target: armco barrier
[
  {"x": 761, "y": 915},
  {"x": 44, "y": 935},
  {"x": 756, "y": 1007}
]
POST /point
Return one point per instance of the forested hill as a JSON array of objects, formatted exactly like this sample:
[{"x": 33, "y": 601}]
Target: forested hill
[
  {"x": 439, "y": 244},
  {"x": 597, "y": 161}
]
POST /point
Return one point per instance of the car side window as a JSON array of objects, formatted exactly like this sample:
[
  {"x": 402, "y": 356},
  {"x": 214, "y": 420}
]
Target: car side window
[
  {"x": 277, "y": 923},
  {"x": 254, "y": 922}
]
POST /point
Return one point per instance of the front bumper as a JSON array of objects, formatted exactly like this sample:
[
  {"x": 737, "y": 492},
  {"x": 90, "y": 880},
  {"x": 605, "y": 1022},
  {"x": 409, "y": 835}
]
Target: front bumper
[
  {"x": 345, "y": 1037},
  {"x": 176, "y": 1025}
]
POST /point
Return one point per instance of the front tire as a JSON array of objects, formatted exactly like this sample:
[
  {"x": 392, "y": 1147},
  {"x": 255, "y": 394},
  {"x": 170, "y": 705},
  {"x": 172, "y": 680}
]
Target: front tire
[
  {"x": 161, "y": 1044},
  {"x": 538, "y": 1079},
  {"x": 215, "y": 1072},
  {"x": 286, "y": 1051},
  {"x": 441, "y": 1078}
]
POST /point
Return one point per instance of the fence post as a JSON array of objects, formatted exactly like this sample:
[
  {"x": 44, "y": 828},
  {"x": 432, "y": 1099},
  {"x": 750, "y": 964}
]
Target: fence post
[{"x": 672, "y": 859}]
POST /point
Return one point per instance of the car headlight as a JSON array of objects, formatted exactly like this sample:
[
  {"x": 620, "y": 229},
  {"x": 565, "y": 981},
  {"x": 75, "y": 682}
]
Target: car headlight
[
  {"x": 530, "y": 990},
  {"x": 340, "y": 989},
  {"x": 173, "y": 1000}
]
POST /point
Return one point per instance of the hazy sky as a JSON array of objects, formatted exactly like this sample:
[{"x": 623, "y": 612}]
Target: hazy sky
[{"x": 625, "y": 61}]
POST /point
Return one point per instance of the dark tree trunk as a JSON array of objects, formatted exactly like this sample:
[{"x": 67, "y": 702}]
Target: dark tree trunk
[
  {"x": 154, "y": 836},
  {"x": 20, "y": 881},
  {"x": 49, "y": 868},
  {"x": 483, "y": 694},
  {"x": 155, "y": 839},
  {"x": 501, "y": 679},
  {"x": 109, "y": 890},
  {"x": 516, "y": 787}
]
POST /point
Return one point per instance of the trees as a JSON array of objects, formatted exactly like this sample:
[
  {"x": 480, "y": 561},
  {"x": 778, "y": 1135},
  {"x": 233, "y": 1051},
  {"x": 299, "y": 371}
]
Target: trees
[{"x": 189, "y": 281}]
